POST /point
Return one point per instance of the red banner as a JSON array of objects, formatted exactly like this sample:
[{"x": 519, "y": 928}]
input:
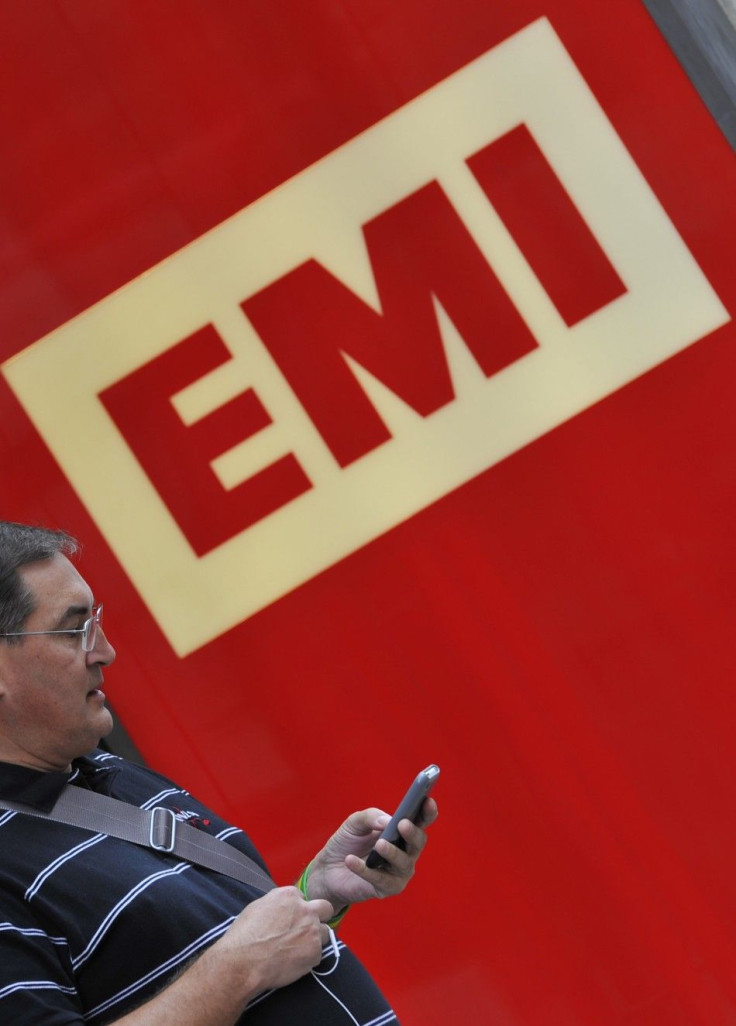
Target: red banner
[{"x": 381, "y": 354}]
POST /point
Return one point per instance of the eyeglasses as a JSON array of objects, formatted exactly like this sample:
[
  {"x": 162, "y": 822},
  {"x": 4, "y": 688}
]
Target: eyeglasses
[{"x": 88, "y": 630}]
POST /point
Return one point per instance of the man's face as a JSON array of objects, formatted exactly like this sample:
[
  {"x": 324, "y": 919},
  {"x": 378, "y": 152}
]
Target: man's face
[{"x": 51, "y": 706}]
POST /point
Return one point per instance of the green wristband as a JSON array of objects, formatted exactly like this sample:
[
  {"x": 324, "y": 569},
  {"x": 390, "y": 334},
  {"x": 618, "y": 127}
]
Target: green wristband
[{"x": 302, "y": 886}]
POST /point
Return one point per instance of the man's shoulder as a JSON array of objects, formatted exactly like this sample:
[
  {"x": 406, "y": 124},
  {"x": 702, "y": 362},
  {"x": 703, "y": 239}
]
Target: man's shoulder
[{"x": 103, "y": 761}]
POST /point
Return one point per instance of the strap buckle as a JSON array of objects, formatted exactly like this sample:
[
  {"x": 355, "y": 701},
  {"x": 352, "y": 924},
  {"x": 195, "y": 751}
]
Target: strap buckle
[{"x": 162, "y": 831}]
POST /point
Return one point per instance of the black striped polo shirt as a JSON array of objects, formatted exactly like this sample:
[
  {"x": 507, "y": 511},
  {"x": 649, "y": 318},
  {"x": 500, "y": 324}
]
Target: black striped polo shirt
[{"x": 92, "y": 926}]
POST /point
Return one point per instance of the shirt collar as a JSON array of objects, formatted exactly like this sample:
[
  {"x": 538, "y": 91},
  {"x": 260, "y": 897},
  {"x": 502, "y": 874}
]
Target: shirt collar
[{"x": 41, "y": 788}]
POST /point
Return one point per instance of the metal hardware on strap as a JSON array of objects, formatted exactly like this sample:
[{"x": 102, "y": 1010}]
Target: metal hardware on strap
[{"x": 162, "y": 833}]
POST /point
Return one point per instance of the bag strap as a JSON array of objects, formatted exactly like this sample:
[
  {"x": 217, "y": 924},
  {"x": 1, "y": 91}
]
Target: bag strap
[{"x": 156, "y": 828}]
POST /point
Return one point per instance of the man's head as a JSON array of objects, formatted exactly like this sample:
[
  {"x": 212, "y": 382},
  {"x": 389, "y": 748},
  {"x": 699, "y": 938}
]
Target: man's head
[{"x": 51, "y": 705}]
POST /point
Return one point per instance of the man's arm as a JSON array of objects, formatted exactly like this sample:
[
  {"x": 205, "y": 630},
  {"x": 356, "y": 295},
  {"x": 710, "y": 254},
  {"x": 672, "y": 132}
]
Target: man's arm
[{"x": 273, "y": 942}]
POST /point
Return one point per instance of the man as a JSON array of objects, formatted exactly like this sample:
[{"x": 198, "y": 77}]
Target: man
[{"x": 97, "y": 929}]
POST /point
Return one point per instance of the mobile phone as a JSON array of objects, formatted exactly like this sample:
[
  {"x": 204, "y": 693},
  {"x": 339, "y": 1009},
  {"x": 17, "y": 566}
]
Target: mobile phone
[{"x": 409, "y": 807}]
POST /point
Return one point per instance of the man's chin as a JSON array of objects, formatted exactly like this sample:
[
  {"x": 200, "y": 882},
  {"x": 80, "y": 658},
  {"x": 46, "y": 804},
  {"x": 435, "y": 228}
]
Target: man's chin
[{"x": 103, "y": 724}]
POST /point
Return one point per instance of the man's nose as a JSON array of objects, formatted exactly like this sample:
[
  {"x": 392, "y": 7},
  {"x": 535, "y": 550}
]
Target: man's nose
[{"x": 102, "y": 651}]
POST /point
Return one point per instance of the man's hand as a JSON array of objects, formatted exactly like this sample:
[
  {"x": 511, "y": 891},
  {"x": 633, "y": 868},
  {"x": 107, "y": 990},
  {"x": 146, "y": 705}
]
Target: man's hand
[
  {"x": 339, "y": 873},
  {"x": 278, "y": 938}
]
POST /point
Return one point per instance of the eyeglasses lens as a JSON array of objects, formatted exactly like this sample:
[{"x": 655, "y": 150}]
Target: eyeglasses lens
[{"x": 90, "y": 630}]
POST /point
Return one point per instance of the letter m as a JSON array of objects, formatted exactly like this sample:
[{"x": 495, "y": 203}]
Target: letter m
[{"x": 310, "y": 321}]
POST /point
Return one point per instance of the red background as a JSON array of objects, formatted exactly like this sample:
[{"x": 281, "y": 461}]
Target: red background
[{"x": 557, "y": 634}]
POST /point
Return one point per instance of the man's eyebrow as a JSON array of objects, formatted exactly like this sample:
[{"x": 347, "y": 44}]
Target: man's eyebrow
[{"x": 72, "y": 612}]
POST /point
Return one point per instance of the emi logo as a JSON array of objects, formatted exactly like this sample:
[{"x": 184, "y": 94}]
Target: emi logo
[{"x": 464, "y": 276}]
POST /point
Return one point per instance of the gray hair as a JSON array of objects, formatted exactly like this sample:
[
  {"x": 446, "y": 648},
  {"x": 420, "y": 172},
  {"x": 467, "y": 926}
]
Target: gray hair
[{"x": 21, "y": 544}]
